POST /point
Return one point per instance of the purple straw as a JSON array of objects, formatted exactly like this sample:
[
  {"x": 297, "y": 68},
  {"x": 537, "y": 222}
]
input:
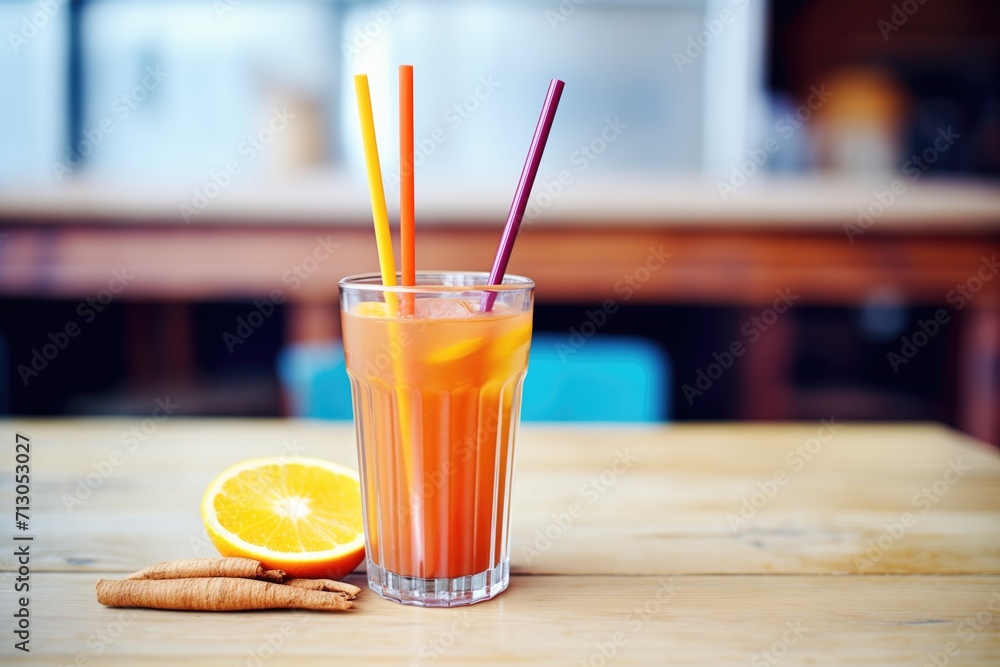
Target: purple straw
[{"x": 523, "y": 191}]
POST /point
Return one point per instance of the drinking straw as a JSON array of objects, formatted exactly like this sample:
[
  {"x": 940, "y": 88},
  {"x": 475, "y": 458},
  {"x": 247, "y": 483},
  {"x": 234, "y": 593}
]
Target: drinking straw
[
  {"x": 523, "y": 192},
  {"x": 380, "y": 215},
  {"x": 407, "y": 252},
  {"x": 383, "y": 240}
]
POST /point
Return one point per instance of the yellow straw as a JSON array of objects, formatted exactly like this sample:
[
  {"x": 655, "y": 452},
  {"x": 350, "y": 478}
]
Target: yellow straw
[
  {"x": 387, "y": 266},
  {"x": 380, "y": 215}
]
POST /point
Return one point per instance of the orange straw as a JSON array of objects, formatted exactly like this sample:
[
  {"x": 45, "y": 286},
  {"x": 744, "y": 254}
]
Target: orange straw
[
  {"x": 407, "y": 252},
  {"x": 380, "y": 215}
]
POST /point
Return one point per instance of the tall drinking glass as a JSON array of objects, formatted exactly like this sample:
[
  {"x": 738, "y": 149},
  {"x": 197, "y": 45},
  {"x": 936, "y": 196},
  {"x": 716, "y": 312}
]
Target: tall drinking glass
[{"x": 437, "y": 399}]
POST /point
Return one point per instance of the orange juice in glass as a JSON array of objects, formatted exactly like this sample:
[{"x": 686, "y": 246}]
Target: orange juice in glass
[{"x": 437, "y": 397}]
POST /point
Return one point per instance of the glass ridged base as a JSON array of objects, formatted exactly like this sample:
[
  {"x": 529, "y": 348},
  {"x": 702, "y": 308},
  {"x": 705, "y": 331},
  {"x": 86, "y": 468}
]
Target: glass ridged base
[{"x": 439, "y": 592}]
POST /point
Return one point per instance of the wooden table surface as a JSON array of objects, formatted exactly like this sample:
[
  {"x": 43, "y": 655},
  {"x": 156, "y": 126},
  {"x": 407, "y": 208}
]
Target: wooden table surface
[{"x": 689, "y": 544}]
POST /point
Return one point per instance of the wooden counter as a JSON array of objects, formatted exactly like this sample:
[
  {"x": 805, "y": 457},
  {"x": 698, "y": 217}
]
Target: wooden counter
[{"x": 715, "y": 545}]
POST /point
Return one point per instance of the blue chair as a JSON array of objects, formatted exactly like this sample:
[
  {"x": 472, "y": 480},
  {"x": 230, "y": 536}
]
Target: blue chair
[
  {"x": 314, "y": 377},
  {"x": 608, "y": 378}
]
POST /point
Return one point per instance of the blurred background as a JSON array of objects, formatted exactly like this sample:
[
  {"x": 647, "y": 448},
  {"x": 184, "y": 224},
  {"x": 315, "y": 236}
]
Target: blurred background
[{"x": 758, "y": 209}]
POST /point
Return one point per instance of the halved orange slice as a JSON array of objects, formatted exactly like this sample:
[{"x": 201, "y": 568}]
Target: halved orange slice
[{"x": 300, "y": 515}]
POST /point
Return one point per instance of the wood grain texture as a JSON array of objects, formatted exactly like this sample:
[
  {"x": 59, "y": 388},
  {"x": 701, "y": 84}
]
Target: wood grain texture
[
  {"x": 649, "y": 513},
  {"x": 552, "y": 620}
]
